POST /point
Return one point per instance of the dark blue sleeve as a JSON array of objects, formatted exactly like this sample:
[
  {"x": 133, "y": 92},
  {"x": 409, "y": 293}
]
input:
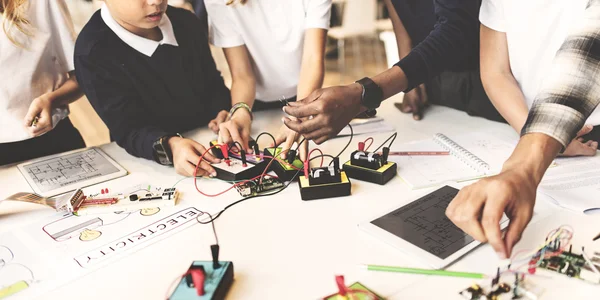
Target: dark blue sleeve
[
  {"x": 117, "y": 105},
  {"x": 453, "y": 43}
]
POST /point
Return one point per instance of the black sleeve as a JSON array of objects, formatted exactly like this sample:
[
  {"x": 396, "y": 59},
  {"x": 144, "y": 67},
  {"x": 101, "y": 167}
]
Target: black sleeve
[
  {"x": 117, "y": 105},
  {"x": 220, "y": 95},
  {"x": 453, "y": 41}
]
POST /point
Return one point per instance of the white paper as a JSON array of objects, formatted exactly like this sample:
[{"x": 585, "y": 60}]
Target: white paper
[
  {"x": 574, "y": 183},
  {"x": 365, "y": 127},
  {"x": 491, "y": 147},
  {"x": 430, "y": 170}
]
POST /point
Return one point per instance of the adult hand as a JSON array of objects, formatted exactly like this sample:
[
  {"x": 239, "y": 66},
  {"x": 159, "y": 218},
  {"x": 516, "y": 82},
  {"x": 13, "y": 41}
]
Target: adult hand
[
  {"x": 220, "y": 118},
  {"x": 237, "y": 129},
  {"x": 286, "y": 138},
  {"x": 478, "y": 209},
  {"x": 579, "y": 147},
  {"x": 325, "y": 112},
  {"x": 415, "y": 102},
  {"x": 41, "y": 108},
  {"x": 187, "y": 154}
]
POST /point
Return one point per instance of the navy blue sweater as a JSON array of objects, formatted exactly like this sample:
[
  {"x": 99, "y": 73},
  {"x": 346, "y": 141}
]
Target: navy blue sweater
[
  {"x": 143, "y": 98},
  {"x": 445, "y": 36}
]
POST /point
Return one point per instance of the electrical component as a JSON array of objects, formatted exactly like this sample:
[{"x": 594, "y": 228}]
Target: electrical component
[
  {"x": 370, "y": 167},
  {"x": 204, "y": 281},
  {"x": 234, "y": 169},
  {"x": 503, "y": 287},
  {"x": 324, "y": 182},
  {"x": 104, "y": 203},
  {"x": 285, "y": 172},
  {"x": 255, "y": 187},
  {"x": 238, "y": 166},
  {"x": 570, "y": 264},
  {"x": 354, "y": 291}
]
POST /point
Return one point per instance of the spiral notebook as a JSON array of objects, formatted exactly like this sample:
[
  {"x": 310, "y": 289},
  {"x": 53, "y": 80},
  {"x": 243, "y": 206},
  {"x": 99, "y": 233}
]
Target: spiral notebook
[{"x": 472, "y": 156}]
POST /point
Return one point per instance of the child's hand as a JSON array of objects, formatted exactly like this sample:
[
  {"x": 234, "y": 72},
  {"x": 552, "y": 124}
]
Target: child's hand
[
  {"x": 221, "y": 118},
  {"x": 237, "y": 129},
  {"x": 40, "y": 110},
  {"x": 286, "y": 138},
  {"x": 187, "y": 153}
]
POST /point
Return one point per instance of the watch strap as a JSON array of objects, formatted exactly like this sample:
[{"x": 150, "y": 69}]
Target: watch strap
[{"x": 372, "y": 94}]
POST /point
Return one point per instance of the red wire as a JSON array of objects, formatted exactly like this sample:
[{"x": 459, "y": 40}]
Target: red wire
[
  {"x": 371, "y": 144},
  {"x": 310, "y": 154},
  {"x": 223, "y": 192},
  {"x": 269, "y": 165}
]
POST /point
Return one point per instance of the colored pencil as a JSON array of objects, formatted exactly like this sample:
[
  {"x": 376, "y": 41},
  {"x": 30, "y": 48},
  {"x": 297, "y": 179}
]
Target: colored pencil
[
  {"x": 419, "y": 153},
  {"x": 424, "y": 271}
]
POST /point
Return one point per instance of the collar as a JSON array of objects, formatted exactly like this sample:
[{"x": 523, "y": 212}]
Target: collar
[{"x": 141, "y": 44}]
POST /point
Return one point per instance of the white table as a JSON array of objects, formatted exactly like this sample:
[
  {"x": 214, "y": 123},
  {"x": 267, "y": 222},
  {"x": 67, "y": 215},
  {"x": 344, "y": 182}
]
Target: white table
[{"x": 283, "y": 247}]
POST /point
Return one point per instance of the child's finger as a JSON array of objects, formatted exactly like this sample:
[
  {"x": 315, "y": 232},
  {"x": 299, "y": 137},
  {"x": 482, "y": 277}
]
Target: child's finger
[{"x": 208, "y": 169}]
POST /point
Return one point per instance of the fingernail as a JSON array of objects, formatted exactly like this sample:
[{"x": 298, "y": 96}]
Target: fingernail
[
  {"x": 283, "y": 108},
  {"x": 501, "y": 255},
  {"x": 283, "y": 120},
  {"x": 213, "y": 174}
]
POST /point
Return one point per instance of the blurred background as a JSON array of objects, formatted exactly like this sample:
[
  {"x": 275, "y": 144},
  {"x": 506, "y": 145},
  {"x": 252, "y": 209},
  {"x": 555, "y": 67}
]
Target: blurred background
[{"x": 361, "y": 43}]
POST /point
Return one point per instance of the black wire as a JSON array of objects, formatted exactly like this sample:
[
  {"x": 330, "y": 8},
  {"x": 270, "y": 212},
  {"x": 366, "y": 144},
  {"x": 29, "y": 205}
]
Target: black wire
[
  {"x": 392, "y": 137},
  {"x": 347, "y": 145},
  {"x": 239, "y": 145},
  {"x": 212, "y": 219},
  {"x": 272, "y": 137}
]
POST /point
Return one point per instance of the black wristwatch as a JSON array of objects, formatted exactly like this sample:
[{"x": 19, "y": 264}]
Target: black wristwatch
[
  {"x": 162, "y": 151},
  {"x": 372, "y": 95}
]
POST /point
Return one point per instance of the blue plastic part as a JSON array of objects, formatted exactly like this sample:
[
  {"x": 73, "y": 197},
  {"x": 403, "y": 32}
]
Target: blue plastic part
[{"x": 217, "y": 282}]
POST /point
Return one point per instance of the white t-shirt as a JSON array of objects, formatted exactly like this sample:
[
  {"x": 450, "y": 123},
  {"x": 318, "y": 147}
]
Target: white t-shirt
[
  {"x": 41, "y": 66},
  {"x": 535, "y": 30},
  {"x": 273, "y": 31}
]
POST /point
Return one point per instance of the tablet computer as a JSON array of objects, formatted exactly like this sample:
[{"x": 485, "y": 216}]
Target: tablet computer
[
  {"x": 60, "y": 173},
  {"x": 422, "y": 230}
]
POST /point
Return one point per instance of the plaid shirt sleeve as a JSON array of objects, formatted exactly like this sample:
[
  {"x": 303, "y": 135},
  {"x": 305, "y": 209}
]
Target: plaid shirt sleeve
[{"x": 571, "y": 91}]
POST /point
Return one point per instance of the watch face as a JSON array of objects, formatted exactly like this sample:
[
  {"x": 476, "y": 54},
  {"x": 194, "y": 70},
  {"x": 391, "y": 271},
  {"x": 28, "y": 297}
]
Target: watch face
[{"x": 372, "y": 93}]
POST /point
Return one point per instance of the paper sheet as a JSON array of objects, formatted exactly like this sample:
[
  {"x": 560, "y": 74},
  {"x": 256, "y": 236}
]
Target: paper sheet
[
  {"x": 76, "y": 245},
  {"x": 426, "y": 171},
  {"x": 574, "y": 183},
  {"x": 364, "y": 126}
]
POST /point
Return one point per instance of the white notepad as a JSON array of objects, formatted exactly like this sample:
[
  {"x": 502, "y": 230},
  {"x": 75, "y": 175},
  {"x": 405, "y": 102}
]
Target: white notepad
[
  {"x": 573, "y": 183},
  {"x": 472, "y": 156}
]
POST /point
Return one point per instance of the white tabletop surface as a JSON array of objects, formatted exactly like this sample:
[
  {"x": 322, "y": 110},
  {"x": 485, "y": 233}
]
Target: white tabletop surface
[{"x": 283, "y": 247}]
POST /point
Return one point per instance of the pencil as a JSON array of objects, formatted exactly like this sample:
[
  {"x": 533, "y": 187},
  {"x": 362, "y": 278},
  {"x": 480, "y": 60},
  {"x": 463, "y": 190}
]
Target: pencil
[
  {"x": 424, "y": 271},
  {"x": 597, "y": 237},
  {"x": 419, "y": 153}
]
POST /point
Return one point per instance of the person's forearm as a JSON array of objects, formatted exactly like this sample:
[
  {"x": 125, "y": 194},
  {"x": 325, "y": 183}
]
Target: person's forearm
[
  {"x": 507, "y": 97},
  {"x": 392, "y": 81},
  {"x": 311, "y": 77},
  {"x": 67, "y": 93},
  {"x": 533, "y": 155},
  {"x": 243, "y": 90}
]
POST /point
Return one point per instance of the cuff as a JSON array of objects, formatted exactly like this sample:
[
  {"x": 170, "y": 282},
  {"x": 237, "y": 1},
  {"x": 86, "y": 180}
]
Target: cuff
[
  {"x": 229, "y": 42},
  {"x": 555, "y": 120},
  {"x": 317, "y": 23},
  {"x": 415, "y": 69}
]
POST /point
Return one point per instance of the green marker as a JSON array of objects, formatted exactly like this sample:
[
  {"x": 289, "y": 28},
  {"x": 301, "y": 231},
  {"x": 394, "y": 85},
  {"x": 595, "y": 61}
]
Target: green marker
[{"x": 423, "y": 271}]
